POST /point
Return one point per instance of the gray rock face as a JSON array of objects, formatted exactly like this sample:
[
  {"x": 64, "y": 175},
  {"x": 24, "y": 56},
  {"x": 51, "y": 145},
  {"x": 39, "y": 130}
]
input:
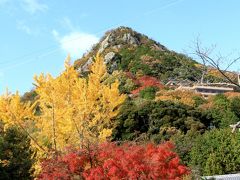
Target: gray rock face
[
  {"x": 110, "y": 40},
  {"x": 128, "y": 38},
  {"x": 109, "y": 57},
  {"x": 113, "y": 67},
  {"x": 85, "y": 67},
  {"x": 104, "y": 45},
  {"x": 117, "y": 46},
  {"x": 115, "y": 41}
]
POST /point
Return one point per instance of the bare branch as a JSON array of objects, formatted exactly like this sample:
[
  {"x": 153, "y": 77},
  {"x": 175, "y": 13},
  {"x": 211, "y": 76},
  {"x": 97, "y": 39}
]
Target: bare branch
[
  {"x": 204, "y": 55},
  {"x": 231, "y": 63}
]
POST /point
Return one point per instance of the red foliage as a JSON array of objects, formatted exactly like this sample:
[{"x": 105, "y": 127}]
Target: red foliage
[
  {"x": 147, "y": 81},
  {"x": 63, "y": 167},
  {"x": 110, "y": 161}
]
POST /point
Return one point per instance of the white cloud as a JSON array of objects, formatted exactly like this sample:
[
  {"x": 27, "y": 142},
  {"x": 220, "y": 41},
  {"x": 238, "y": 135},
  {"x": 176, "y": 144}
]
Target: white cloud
[
  {"x": 75, "y": 43},
  {"x": 33, "y": 6}
]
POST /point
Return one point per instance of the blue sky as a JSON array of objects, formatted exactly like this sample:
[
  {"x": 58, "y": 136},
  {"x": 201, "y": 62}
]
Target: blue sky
[{"x": 37, "y": 35}]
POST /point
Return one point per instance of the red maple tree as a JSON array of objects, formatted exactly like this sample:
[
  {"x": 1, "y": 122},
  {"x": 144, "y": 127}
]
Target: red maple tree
[
  {"x": 111, "y": 161},
  {"x": 147, "y": 81}
]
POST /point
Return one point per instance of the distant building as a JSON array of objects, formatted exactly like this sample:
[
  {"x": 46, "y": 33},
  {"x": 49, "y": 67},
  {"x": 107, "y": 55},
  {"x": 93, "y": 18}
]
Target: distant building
[
  {"x": 176, "y": 83},
  {"x": 223, "y": 177},
  {"x": 210, "y": 89}
]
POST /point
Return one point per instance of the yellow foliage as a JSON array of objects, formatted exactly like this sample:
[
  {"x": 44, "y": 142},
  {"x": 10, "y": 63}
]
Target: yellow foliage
[
  {"x": 73, "y": 109},
  {"x": 216, "y": 73},
  {"x": 185, "y": 97},
  {"x": 232, "y": 94},
  {"x": 15, "y": 112}
]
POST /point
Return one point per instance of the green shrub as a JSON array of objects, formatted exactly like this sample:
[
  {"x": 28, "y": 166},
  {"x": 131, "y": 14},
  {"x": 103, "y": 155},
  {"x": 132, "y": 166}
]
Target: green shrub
[
  {"x": 216, "y": 152},
  {"x": 148, "y": 92},
  {"x": 158, "y": 120}
]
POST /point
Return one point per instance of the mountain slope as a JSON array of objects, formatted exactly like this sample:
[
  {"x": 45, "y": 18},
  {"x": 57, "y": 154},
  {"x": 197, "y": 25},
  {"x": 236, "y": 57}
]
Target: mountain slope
[{"x": 128, "y": 50}]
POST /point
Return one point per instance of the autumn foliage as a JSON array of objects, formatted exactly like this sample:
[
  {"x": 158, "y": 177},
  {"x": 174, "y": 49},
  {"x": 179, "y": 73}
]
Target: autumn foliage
[
  {"x": 15, "y": 112},
  {"x": 146, "y": 81},
  {"x": 178, "y": 96},
  {"x": 80, "y": 112},
  {"x": 110, "y": 161},
  {"x": 75, "y": 110}
]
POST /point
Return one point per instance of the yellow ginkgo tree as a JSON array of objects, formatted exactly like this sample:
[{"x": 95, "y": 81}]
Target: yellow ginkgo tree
[
  {"x": 76, "y": 110},
  {"x": 14, "y": 112}
]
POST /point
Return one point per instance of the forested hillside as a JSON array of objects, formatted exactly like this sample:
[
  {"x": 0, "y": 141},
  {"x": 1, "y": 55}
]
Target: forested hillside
[{"x": 110, "y": 115}]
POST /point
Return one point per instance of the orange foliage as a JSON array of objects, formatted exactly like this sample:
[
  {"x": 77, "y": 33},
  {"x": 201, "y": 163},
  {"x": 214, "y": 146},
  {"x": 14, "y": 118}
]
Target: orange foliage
[
  {"x": 232, "y": 94},
  {"x": 179, "y": 96},
  {"x": 210, "y": 100},
  {"x": 145, "y": 81}
]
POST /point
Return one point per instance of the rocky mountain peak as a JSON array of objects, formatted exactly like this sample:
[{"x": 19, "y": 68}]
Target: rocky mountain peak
[
  {"x": 114, "y": 41},
  {"x": 118, "y": 37},
  {"x": 126, "y": 36},
  {"x": 126, "y": 50}
]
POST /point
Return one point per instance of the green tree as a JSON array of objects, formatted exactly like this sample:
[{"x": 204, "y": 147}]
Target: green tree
[
  {"x": 235, "y": 105},
  {"x": 224, "y": 111},
  {"x": 148, "y": 92},
  {"x": 159, "y": 120},
  {"x": 216, "y": 152},
  {"x": 16, "y": 155},
  {"x": 131, "y": 121},
  {"x": 184, "y": 144}
]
